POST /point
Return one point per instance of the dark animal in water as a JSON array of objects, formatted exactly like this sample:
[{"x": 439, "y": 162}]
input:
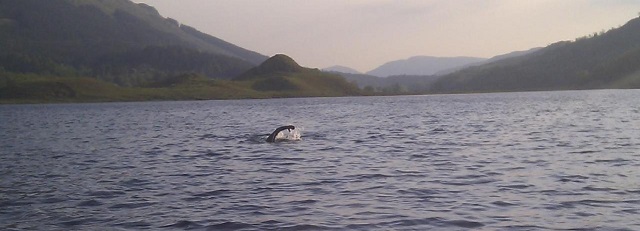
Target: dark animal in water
[{"x": 272, "y": 137}]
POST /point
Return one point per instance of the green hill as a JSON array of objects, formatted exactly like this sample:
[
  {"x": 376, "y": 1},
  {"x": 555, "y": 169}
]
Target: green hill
[
  {"x": 277, "y": 77},
  {"x": 281, "y": 75},
  {"x": 601, "y": 60},
  {"x": 114, "y": 40},
  {"x": 275, "y": 66}
]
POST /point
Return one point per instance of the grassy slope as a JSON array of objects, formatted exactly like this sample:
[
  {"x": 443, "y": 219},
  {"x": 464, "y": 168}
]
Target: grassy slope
[
  {"x": 25, "y": 88},
  {"x": 43, "y": 89}
]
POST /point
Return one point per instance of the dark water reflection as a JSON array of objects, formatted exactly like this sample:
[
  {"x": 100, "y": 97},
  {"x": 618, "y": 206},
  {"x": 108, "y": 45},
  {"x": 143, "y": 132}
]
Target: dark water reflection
[{"x": 516, "y": 161}]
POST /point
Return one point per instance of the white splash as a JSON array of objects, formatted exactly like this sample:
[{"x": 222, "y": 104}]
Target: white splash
[{"x": 293, "y": 135}]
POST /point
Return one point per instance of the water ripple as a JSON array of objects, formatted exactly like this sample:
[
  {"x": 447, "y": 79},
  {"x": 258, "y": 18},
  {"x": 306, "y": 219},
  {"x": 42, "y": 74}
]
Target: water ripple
[{"x": 514, "y": 161}]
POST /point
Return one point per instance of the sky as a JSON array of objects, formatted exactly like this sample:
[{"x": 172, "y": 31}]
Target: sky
[{"x": 364, "y": 34}]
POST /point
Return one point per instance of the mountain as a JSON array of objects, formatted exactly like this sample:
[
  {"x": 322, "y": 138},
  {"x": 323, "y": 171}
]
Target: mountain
[
  {"x": 416, "y": 83},
  {"x": 512, "y": 54},
  {"x": 492, "y": 59},
  {"x": 421, "y": 65},
  {"x": 602, "y": 60},
  {"x": 282, "y": 74},
  {"x": 110, "y": 40},
  {"x": 279, "y": 64},
  {"x": 341, "y": 69}
]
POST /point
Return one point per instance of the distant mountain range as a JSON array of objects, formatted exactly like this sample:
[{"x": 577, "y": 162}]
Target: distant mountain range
[
  {"x": 416, "y": 83},
  {"x": 341, "y": 69},
  {"x": 602, "y": 60},
  {"x": 422, "y": 65},
  {"x": 493, "y": 59}
]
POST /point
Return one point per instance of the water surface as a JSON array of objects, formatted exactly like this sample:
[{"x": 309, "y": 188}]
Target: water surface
[{"x": 512, "y": 161}]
